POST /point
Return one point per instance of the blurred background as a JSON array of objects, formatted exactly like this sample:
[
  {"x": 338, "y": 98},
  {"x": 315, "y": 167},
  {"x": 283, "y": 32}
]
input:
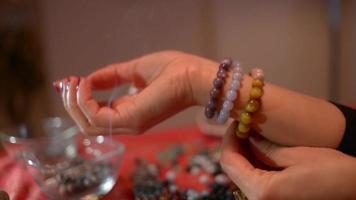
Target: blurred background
[{"x": 307, "y": 46}]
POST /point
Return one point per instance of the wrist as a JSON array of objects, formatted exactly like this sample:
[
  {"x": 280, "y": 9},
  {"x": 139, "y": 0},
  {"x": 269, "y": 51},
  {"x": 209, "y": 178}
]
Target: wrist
[{"x": 201, "y": 79}]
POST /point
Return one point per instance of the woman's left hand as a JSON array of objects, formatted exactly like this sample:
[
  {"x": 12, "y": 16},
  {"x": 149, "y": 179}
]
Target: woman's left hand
[{"x": 304, "y": 172}]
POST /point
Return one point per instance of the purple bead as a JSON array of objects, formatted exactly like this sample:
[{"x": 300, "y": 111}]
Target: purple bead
[
  {"x": 209, "y": 113},
  {"x": 224, "y": 66},
  {"x": 227, "y": 61},
  {"x": 215, "y": 93},
  {"x": 221, "y": 74},
  {"x": 212, "y": 104},
  {"x": 218, "y": 83}
]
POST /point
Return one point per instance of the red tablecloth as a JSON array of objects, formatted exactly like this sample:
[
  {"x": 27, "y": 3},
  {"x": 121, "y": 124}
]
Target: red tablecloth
[{"x": 15, "y": 180}]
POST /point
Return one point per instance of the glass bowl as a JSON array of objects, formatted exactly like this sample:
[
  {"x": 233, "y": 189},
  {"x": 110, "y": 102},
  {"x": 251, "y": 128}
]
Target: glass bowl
[
  {"x": 17, "y": 139},
  {"x": 66, "y": 164}
]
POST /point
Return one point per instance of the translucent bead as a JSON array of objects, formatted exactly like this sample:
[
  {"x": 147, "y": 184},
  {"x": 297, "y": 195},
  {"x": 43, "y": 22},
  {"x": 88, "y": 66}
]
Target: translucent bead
[
  {"x": 237, "y": 69},
  {"x": 246, "y": 118},
  {"x": 236, "y": 76},
  {"x": 235, "y": 64},
  {"x": 257, "y": 83},
  {"x": 228, "y": 105},
  {"x": 256, "y": 93},
  {"x": 223, "y": 116},
  {"x": 231, "y": 95},
  {"x": 235, "y": 84},
  {"x": 252, "y": 106}
]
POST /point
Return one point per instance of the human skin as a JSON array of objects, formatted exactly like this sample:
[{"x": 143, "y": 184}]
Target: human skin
[
  {"x": 303, "y": 172},
  {"x": 172, "y": 81}
]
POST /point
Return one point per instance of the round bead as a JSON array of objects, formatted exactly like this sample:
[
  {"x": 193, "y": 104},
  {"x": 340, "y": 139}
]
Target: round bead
[
  {"x": 257, "y": 83},
  {"x": 218, "y": 83},
  {"x": 224, "y": 66},
  {"x": 256, "y": 71},
  {"x": 259, "y": 76},
  {"x": 231, "y": 95},
  {"x": 222, "y": 118},
  {"x": 246, "y": 118},
  {"x": 228, "y": 105},
  {"x": 252, "y": 106},
  {"x": 221, "y": 74},
  {"x": 237, "y": 70},
  {"x": 209, "y": 113},
  {"x": 212, "y": 104},
  {"x": 243, "y": 128},
  {"x": 227, "y": 61},
  {"x": 235, "y": 84},
  {"x": 236, "y": 76},
  {"x": 215, "y": 93},
  {"x": 241, "y": 135},
  {"x": 256, "y": 93}
]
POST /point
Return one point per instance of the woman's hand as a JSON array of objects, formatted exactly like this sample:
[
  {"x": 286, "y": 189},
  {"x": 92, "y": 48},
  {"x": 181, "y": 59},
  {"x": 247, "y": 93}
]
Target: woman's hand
[
  {"x": 304, "y": 172},
  {"x": 170, "y": 81}
]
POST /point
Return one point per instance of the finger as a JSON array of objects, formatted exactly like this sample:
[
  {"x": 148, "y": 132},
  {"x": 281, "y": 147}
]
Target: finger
[
  {"x": 69, "y": 98},
  {"x": 72, "y": 106},
  {"x": 248, "y": 178},
  {"x": 276, "y": 155},
  {"x": 136, "y": 112},
  {"x": 111, "y": 76},
  {"x": 140, "y": 71}
]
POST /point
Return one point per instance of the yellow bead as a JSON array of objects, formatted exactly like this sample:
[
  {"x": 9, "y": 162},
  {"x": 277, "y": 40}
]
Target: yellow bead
[
  {"x": 257, "y": 83},
  {"x": 252, "y": 106},
  {"x": 243, "y": 128},
  {"x": 246, "y": 118},
  {"x": 241, "y": 135},
  {"x": 256, "y": 93}
]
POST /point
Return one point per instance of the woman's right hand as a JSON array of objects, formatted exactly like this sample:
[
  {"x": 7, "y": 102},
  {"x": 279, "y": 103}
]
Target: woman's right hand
[{"x": 299, "y": 172}]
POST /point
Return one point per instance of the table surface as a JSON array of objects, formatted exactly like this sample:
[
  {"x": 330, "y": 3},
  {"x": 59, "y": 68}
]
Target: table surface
[{"x": 15, "y": 180}]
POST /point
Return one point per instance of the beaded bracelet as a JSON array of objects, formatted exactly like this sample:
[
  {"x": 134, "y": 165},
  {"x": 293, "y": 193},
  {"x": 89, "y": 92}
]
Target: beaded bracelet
[
  {"x": 215, "y": 92},
  {"x": 231, "y": 94},
  {"x": 253, "y": 104}
]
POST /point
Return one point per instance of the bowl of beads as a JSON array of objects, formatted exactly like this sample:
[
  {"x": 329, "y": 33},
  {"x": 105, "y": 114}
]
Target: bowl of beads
[{"x": 70, "y": 165}]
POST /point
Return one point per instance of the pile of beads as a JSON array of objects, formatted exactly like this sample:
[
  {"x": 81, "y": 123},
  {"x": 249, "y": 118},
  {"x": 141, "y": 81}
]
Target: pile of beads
[
  {"x": 79, "y": 177},
  {"x": 253, "y": 104},
  {"x": 231, "y": 94},
  {"x": 156, "y": 181}
]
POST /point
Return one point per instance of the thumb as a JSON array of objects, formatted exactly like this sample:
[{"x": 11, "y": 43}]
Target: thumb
[
  {"x": 248, "y": 178},
  {"x": 276, "y": 155}
]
